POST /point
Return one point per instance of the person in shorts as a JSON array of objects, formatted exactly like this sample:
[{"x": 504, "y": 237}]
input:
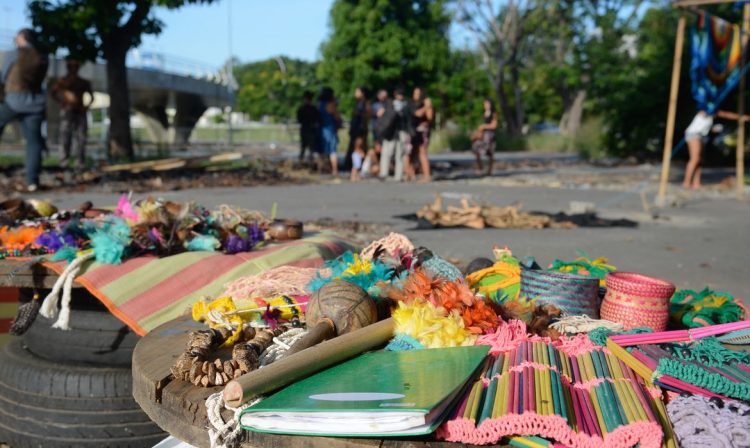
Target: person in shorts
[
  {"x": 483, "y": 139},
  {"x": 330, "y": 123}
]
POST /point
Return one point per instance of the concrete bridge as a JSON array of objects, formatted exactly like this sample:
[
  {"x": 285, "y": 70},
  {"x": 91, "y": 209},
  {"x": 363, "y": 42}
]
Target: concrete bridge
[{"x": 157, "y": 83}]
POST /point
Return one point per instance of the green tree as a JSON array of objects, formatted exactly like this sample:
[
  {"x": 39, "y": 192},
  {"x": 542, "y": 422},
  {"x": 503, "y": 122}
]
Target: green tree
[
  {"x": 384, "y": 44},
  {"x": 273, "y": 86},
  {"x": 460, "y": 91},
  {"x": 635, "y": 105},
  {"x": 108, "y": 29}
]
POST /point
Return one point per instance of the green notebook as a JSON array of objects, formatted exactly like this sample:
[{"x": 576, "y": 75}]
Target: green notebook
[{"x": 375, "y": 394}]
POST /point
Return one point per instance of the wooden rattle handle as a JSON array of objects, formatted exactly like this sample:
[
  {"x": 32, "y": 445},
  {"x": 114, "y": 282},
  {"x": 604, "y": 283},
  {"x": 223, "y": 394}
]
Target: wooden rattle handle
[
  {"x": 322, "y": 331},
  {"x": 306, "y": 362}
]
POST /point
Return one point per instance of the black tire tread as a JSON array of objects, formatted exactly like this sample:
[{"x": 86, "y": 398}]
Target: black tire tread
[
  {"x": 95, "y": 338},
  {"x": 49, "y": 404},
  {"x": 20, "y": 439},
  {"x": 22, "y": 370}
]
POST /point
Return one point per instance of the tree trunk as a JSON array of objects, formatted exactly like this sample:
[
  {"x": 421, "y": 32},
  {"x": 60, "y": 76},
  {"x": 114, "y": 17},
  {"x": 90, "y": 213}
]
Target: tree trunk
[
  {"x": 120, "y": 139},
  {"x": 517, "y": 98},
  {"x": 570, "y": 122},
  {"x": 512, "y": 128}
]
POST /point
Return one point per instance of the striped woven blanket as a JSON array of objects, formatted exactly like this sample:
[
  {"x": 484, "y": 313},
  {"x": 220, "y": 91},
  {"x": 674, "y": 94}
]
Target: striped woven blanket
[{"x": 146, "y": 292}]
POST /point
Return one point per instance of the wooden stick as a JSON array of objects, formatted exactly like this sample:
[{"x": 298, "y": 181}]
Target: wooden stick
[
  {"x": 741, "y": 107},
  {"x": 323, "y": 331},
  {"x": 672, "y": 112},
  {"x": 300, "y": 365}
]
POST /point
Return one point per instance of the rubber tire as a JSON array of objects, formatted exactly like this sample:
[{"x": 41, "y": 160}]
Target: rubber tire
[
  {"x": 47, "y": 404},
  {"x": 95, "y": 338}
]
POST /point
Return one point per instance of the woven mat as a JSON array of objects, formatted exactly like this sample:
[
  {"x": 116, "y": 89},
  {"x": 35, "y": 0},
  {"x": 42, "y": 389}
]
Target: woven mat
[{"x": 146, "y": 292}]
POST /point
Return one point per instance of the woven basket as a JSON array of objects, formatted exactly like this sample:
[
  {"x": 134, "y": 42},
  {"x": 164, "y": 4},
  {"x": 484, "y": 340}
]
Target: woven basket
[
  {"x": 636, "y": 300},
  {"x": 573, "y": 294}
]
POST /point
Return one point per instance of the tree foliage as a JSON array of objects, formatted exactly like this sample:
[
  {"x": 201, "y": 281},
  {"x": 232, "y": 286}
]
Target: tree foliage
[
  {"x": 384, "y": 44},
  {"x": 274, "y": 87},
  {"x": 91, "y": 29}
]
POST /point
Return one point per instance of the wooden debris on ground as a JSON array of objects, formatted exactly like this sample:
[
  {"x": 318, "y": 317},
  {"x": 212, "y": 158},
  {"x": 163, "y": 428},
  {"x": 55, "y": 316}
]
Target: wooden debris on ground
[
  {"x": 173, "y": 163},
  {"x": 477, "y": 216}
]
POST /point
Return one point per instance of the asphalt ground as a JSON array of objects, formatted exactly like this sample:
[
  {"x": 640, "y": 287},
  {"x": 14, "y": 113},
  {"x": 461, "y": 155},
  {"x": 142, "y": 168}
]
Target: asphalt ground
[{"x": 702, "y": 241}]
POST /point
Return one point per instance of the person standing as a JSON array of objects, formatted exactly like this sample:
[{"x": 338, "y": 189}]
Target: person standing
[
  {"x": 23, "y": 74},
  {"x": 70, "y": 92},
  {"x": 423, "y": 119},
  {"x": 358, "y": 126},
  {"x": 484, "y": 137},
  {"x": 330, "y": 122},
  {"x": 308, "y": 119},
  {"x": 396, "y": 122},
  {"x": 374, "y": 154}
]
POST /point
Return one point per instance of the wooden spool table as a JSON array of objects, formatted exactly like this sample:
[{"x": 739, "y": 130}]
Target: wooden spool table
[
  {"x": 15, "y": 274},
  {"x": 179, "y": 408}
]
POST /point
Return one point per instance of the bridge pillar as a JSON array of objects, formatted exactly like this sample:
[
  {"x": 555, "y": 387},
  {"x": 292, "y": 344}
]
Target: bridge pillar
[
  {"x": 152, "y": 109},
  {"x": 188, "y": 109}
]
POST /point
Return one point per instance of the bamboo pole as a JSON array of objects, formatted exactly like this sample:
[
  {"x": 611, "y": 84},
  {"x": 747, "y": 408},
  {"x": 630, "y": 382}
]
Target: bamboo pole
[
  {"x": 741, "y": 108},
  {"x": 672, "y": 111},
  {"x": 306, "y": 362}
]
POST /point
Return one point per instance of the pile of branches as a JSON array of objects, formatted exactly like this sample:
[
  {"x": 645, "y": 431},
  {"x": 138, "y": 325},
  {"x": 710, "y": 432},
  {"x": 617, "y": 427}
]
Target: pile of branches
[{"x": 476, "y": 216}]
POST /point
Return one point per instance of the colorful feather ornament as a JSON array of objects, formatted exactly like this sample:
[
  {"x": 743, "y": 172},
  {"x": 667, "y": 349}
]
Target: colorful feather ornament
[
  {"x": 369, "y": 275},
  {"x": 433, "y": 327},
  {"x": 203, "y": 243},
  {"x": 125, "y": 210},
  {"x": 109, "y": 238}
]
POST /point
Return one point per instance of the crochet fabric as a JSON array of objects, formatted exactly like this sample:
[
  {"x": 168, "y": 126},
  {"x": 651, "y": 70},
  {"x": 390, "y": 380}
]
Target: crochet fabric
[{"x": 701, "y": 422}]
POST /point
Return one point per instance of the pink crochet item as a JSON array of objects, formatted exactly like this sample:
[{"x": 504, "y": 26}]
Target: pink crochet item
[{"x": 636, "y": 300}]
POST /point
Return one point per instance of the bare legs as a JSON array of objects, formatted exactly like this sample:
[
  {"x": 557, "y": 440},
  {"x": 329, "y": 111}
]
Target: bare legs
[
  {"x": 334, "y": 164},
  {"x": 424, "y": 162},
  {"x": 693, "y": 168}
]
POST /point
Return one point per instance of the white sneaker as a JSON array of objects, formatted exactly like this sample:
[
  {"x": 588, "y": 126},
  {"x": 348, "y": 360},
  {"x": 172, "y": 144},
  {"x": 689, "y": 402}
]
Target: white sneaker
[{"x": 32, "y": 188}]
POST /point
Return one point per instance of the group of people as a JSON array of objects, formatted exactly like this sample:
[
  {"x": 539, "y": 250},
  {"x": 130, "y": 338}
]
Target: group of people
[
  {"x": 399, "y": 126},
  {"x": 22, "y": 75},
  {"x": 400, "y": 129}
]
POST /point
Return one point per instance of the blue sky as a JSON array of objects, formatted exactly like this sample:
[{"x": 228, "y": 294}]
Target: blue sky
[{"x": 260, "y": 28}]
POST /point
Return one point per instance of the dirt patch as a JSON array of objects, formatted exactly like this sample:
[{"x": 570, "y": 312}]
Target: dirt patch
[{"x": 236, "y": 174}]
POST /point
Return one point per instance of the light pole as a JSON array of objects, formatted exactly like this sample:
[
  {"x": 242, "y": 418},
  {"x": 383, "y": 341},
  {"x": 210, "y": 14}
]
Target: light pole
[{"x": 230, "y": 75}]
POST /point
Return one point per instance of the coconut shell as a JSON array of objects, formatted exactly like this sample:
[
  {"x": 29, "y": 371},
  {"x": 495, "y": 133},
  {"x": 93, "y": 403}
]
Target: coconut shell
[{"x": 346, "y": 304}]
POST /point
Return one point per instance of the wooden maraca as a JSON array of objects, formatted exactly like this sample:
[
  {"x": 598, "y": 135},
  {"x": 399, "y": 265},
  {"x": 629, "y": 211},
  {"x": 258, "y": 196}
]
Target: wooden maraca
[{"x": 339, "y": 307}]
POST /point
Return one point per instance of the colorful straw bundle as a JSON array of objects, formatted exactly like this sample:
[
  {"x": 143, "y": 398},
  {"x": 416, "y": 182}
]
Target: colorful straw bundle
[
  {"x": 571, "y": 293},
  {"x": 636, "y": 300},
  {"x": 589, "y": 399},
  {"x": 688, "y": 360}
]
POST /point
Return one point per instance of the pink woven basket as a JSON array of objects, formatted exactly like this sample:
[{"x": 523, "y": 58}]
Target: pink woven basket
[{"x": 637, "y": 300}]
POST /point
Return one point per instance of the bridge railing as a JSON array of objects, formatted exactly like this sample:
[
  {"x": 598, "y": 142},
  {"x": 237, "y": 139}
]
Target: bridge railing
[{"x": 150, "y": 60}]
